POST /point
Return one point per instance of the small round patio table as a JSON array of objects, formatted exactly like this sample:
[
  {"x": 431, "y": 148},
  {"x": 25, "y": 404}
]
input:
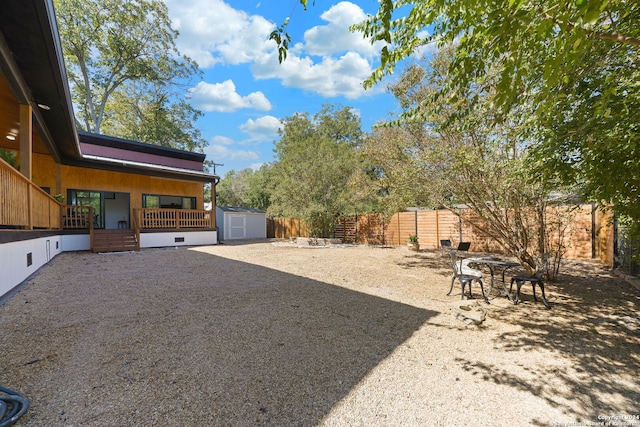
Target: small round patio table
[{"x": 492, "y": 264}]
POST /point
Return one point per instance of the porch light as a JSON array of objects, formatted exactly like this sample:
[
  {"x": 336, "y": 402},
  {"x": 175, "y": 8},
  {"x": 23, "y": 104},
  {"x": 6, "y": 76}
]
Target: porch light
[
  {"x": 44, "y": 107},
  {"x": 11, "y": 137}
]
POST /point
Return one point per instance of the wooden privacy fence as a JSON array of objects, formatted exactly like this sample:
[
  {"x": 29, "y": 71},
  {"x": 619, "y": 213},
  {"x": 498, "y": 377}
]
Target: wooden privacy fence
[
  {"x": 589, "y": 233},
  {"x": 284, "y": 228}
]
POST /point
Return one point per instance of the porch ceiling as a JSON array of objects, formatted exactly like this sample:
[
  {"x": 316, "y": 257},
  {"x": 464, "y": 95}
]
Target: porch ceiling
[
  {"x": 33, "y": 70},
  {"x": 10, "y": 121}
]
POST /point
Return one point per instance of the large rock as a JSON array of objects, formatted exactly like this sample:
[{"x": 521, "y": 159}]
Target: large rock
[{"x": 470, "y": 312}]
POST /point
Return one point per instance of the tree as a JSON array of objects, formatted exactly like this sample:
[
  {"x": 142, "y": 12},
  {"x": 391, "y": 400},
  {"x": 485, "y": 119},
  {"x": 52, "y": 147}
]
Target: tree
[
  {"x": 10, "y": 157},
  {"x": 569, "y": 68},
  {"x": 231, "y": 189},
  {"x": 316, "y": 160},
  {"x": 113, "y": 50},
  {"x": 395, "y": 178},
  {"x": 258, "y": 195},
  {"x": 145, "y": 112},
  {"x": 479, "y": 163},
  {"x": 572, "y": 66},
  {"x": 246, "y": 188}
]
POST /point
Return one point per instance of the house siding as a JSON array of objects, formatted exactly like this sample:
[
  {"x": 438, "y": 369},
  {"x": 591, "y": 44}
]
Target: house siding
[{"x": 73, "y": 177}]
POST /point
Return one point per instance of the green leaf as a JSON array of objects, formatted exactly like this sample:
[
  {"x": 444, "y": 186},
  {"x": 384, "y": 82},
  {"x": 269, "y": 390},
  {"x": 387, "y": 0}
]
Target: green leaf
[
  {"x": 593, "y": 13},
  {"x": 576, "y": 44}
]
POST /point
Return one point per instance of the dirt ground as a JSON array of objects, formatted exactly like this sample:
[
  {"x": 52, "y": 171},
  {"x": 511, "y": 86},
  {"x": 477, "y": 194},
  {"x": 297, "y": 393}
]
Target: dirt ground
[{"x": 262, "y": 333}]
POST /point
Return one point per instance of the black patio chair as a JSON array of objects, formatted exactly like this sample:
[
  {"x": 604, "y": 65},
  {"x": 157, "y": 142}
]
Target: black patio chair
[
  {"x": 542, "y": 265},
  {"x": 460, "y": 273},
  {"x": 445, "y": 244},
  {"x": 464, "y": 246}
]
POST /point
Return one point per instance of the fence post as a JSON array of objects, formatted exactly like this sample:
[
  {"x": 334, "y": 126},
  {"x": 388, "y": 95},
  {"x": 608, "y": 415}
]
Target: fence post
[
  {"x": 437, "y": 228},
  {"x": 355, "y": 232},
  {"x": 593, "y": 230}
]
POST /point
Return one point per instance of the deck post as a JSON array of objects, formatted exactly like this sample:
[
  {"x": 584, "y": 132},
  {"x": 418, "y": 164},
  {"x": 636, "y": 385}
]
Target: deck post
[{"x": 26, "y": 155}]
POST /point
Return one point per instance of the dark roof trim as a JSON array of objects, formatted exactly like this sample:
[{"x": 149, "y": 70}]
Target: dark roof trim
[
  {"x": 125, "y": 144},
  {"x": 50, "y": 30}
]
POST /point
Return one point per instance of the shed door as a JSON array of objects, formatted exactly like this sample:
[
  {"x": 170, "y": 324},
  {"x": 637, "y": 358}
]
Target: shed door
[{"x": 237, "y": 226}]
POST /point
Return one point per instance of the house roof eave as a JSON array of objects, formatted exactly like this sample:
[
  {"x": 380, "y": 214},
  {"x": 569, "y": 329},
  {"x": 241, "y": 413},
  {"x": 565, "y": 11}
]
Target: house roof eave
[
  {"x": 126, "y": 144},
  {"x": 128, "y": 166}
]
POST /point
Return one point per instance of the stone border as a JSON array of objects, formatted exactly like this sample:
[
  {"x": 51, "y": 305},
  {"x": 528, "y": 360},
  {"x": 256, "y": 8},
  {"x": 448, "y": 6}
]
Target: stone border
[{"x": 311, "y": 242}]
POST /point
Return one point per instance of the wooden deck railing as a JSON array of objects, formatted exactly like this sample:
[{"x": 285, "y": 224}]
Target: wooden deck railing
[
  {"x": 25, "y": 205},
  {"x": 172, "y": 218},
  {"x": 77, "y": 217}
]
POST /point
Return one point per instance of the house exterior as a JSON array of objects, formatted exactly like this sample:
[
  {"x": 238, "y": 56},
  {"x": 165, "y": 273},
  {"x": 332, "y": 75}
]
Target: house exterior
[
  {"x": 240, "y": 223},
  {"x": 117, "y": 194}
]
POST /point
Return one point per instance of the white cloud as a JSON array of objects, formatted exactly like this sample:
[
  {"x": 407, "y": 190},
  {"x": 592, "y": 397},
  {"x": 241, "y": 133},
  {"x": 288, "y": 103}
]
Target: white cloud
[
  {"x": 335, "y": 37},
  {"x": 219, "y": 152},
  {"x": 211, "y": 32},
  {"x": 262, "y": 128},
  {"x": 427, "y": 50},
  {"x": 346, "y": 58},
  {"x": 331, "y": 77},
  {"x": 221, "y": 140},
  {"x": 223, "y": 98}
]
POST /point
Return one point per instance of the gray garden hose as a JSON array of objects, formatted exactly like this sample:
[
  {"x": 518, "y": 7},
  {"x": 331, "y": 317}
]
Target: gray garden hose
[{"x": 12, "y": 406}]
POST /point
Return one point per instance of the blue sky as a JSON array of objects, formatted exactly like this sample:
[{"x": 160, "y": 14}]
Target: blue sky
[{"x": 245, "y": 91}]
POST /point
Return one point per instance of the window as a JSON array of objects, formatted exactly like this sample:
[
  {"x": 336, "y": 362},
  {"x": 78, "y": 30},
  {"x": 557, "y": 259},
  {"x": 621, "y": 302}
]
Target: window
[
  {"x": 168, "y": 202},
  {"x": 188, "y": 203},
  {"x": 94, "y": 199},
  {"x": 149, "y": 201}
]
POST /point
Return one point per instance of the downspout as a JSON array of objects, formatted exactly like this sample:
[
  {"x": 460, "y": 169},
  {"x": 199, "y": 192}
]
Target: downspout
[{"x": 214, "y": 203}]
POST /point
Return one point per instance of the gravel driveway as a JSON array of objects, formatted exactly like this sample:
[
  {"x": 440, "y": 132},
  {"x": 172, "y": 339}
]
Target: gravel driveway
[{"x": 261, "y": 333}]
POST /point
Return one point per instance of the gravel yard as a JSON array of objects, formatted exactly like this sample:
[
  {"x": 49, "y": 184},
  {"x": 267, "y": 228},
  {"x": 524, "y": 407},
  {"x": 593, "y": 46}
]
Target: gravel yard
[{"x": 264, "y": 333}]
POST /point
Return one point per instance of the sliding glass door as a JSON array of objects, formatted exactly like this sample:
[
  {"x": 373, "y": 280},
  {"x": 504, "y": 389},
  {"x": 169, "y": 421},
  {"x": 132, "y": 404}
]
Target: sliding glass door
[{"x": 95, "y": 199}]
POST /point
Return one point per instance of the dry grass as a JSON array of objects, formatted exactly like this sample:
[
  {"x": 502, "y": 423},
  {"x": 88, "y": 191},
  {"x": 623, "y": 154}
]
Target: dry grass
[{"x": 256, "y": 334}]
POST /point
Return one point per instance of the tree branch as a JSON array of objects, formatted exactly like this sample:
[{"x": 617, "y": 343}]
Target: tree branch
[{"x": 614, "y": 36}]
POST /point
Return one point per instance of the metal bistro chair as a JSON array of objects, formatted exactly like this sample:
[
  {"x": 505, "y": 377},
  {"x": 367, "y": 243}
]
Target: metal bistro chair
[
  {"x": 542, "y": 265},
  {"x": 464, "y": 246},
  {"x": 465, "y": 275}
]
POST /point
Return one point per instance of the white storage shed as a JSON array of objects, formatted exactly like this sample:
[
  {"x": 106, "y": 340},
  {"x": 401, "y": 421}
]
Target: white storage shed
[{"x": 240, "y": 223}]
